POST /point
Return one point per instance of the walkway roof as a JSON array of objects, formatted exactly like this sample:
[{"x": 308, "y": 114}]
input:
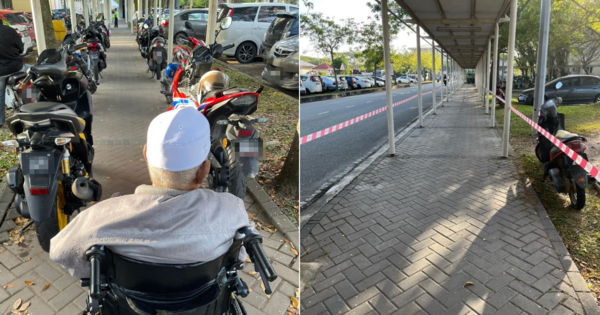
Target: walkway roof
[{"x": 461, "y": 27}]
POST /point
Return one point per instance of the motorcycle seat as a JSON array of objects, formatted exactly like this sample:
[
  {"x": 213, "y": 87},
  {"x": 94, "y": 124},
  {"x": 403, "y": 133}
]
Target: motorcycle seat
[
  {"x": 566, "y": 136},
  {"x": 40, "y": 107},
  {"x": 214, "y": 93},
  {"x": 14, "y": 77}
]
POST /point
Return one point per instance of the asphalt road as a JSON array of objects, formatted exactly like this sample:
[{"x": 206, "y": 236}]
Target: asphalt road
[{"x": 325, "y": 159}]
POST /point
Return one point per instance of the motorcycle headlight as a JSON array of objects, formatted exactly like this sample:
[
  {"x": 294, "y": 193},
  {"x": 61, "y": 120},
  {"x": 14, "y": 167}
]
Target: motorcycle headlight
[{"x": 244, "y": 100}]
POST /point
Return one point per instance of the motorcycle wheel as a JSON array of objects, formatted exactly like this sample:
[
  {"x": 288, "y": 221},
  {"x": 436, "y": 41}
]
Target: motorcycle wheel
[
  {"x": 577, "y": 195},
  {"x": 538, "y": 152},
  {"x": 158, "y": 73},
  {"x": 226, "y": 156},
  {"x": 107, "y": 43},
  {"x": 47, "y": 229}
]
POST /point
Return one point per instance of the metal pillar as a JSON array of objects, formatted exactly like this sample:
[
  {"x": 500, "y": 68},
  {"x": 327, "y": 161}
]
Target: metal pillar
[
  {"x": 433, "y": 75},
  {"x": 171, "y": 30},
  {"x": 447, "y": 76},
  {"x": 442, "y": 76},
  {"x": 419, "y": 78},
  {"x": 107, "y": 15},
  {"x": 495, "y": 74},
  {"x": 542, "y": 59},
  {"x": 212, "y": 22},
  {"x": 36, "y": 12},
  {"x": 86, "y": 13},
  {"x": 512, "y": 30},
  {"x": 147, "y": 9},
  {"x": 73, "y": 15},
  {"x": 388, "y": 77},
  {"x": 487, "y": 78},
  {"x": 155, "y": 15}
]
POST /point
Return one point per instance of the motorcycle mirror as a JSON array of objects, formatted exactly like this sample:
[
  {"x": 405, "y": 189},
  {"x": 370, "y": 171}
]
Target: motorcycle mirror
[
  {"x": 188, "y": 25},
  {"x": 226, "y": 23},
  {"x": 558, "y": 85}
]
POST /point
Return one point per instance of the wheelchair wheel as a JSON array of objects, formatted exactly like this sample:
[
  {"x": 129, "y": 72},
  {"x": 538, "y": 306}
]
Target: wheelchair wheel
[{"x": 236, "y": 307}]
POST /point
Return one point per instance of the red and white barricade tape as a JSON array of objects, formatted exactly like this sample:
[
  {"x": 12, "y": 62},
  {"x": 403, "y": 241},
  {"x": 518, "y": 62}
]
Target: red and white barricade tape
[
  {"x": 587, "y": 166},
  {"x": 326, "y": 131}
]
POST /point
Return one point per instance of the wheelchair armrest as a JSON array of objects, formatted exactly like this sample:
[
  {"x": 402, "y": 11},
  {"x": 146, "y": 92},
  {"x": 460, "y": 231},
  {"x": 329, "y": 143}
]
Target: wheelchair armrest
[
  {"x": 85, "y": 282},
  {"x": 94, "y": 256}
]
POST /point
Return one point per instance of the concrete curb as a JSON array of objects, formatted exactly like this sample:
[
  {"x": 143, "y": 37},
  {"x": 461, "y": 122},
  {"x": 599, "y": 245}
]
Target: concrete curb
[
  {"x": 277, "y": 217},
  {"x": 324, "y": 97}
]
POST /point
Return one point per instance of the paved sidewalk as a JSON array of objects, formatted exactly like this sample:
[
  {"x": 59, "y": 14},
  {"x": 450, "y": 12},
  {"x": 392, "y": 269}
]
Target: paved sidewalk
[
  {"x": 124, "y": 105},
  {"x": 443, "y": 228}
]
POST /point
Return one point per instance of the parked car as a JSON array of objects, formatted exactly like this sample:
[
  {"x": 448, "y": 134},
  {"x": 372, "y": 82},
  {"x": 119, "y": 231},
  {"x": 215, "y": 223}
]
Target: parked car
[
  {"x": 380, "y": 80},
  {"x": 282, "y": 63},
  {"x": 403, "y": 79},
  {"x": 285, "y": 25},
  {"x": 302, "y": 88},
  {"x": 247, "y": 30},
  {"x": 198, "y": 18},
  {"x": 351, "y": 82},
  {"x": 330, "y": 84},
  {"x": 415, "y": 78},
  {"x": 361, "y": 83},
  {"x": 312, "y": 83},
  {"x": 341, "y": 81},
  {"x": 576, "y": 89},
  {"x": 18, "y": 18},
  {"x": 28, "y": 44},
  {"x": 368, "y": 79}
]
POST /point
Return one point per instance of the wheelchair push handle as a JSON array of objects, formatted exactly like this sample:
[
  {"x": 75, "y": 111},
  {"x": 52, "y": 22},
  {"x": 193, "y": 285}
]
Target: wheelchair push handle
[
  {"x": 259, "y": 258},
  {"x": 95, "y": 255}
]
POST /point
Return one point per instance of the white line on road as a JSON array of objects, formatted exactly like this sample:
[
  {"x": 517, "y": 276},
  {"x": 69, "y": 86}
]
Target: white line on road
[
  {"x": 369, "y": 102},
  {"x": 349, "y": 106},
  {"x": 322, "y": 113}
]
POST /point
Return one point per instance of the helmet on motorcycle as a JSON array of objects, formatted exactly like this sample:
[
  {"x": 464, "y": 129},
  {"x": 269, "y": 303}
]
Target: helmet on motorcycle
[{"x": 214, "y": 80}]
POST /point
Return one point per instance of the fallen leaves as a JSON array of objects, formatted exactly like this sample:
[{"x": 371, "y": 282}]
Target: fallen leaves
[
  {"x": 24, "y": 306},
  {"x": 2, "y": 250},
  {"x": 468, "y": 283},
  {"x": 10, "y": 286},
  {"x": 252, "y": 273},
  {"x": 46, "y": 287},
  {"x": 294, "y": 306},
  {"x": 17, "y": 304},
  {"x": 28, "y": 259},
  {"x": 29, "y": 283},
  {"x": 262, "y": 225}
]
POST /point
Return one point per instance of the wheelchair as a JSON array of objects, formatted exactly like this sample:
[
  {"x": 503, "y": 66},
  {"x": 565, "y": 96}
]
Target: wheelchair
[{"x": 121, "y": 285}]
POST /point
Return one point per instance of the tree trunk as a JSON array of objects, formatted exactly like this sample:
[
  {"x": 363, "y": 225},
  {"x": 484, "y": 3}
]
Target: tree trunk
[
  {"x": 48, "y": 26},
  {"x": 288, "y": 179},
  {"x": 337, "y": 87}
]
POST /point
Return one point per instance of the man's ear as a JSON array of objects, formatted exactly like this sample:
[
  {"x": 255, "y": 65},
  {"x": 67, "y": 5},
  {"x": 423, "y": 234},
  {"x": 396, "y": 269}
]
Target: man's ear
[
  {"x": 145, "y": 148},
  {"x": 202, "y": 172}
]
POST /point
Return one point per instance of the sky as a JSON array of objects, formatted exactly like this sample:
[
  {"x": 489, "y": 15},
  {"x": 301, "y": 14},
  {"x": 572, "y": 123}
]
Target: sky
[{"x": 358, "y": 10}]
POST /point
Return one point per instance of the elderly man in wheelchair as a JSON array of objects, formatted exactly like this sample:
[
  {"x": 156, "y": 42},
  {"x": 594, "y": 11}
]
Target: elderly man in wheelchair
[{"x": 170, "y": 248}]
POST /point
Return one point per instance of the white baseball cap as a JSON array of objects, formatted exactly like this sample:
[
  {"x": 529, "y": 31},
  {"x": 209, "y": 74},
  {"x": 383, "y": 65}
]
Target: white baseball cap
[{"x": 178, "y": 140}]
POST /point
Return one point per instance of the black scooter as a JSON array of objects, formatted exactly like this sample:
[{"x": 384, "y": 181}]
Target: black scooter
[
  {"x": 55, "y": 146},
  {"x": 156, "y": 58},
  {"x": 567, "y": 176}
]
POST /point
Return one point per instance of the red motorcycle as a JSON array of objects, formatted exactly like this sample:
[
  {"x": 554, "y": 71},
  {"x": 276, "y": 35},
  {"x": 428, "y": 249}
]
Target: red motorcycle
[{"x": 236, "y": 146}]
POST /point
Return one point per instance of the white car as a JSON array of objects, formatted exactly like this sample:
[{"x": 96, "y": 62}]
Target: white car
[
  {"x": 250, "y": 21},
  {"x": 362, "y": 82},
  {"x": 403, "y": 79},
  {"x": 312, "y": 83}
]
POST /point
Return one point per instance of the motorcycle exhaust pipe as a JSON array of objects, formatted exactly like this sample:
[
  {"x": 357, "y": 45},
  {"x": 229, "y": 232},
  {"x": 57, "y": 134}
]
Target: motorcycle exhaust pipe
[{"x": 81, "y": 189}]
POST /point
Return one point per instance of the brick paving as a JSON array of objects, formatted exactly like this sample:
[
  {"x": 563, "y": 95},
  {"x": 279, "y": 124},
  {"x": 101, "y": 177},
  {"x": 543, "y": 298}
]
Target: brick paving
[
  {"x": 409, "y": 233},
  {"x": 124, "y": 105}
]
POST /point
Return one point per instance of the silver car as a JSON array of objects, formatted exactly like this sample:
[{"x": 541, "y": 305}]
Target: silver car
[
  {"x": 282, "y": 64},
  {"x": 198, "y": 18}
]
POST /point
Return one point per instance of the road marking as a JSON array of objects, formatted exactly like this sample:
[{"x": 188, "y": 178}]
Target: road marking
[
  {"x": 349, "y": 106},
  {"x": 369, "y": 102},
  {"x": 322, "y": 113}
]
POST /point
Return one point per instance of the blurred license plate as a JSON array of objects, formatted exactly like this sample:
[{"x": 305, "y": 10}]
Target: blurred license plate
[
  {"x": 248, "y": 147},
  {"x": 94, "y": 56}
]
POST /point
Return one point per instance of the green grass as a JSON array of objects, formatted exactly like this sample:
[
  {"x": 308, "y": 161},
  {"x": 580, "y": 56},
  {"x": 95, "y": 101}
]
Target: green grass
[
  {"x": 580, "y": 230},
  {"x": 8, "y": 157}
]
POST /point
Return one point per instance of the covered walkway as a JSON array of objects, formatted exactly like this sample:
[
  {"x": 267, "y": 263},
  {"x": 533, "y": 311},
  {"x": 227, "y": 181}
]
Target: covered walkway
[{"x": 445, "y": 227}]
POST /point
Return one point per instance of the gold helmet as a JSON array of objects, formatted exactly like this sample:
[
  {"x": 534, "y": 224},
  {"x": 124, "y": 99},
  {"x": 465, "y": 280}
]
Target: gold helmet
[{"x": 214, "y": 80}]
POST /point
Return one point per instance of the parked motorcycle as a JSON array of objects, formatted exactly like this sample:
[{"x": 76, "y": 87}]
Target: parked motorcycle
[
  {"x": 80, "y": 60},
  {"x": 180, "y": 57},
  {"x": 235, "y": 144},
  {"x": 103, "y": 30},
  {"x": 55, "y": 146},
  {"x": 156, "y": 58},
  {"x": 500, "y": 93},
  {"x": 567, "y": 177},
  {"x": 96, "y": 52},
  {"x": 14, "y": 88}
]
